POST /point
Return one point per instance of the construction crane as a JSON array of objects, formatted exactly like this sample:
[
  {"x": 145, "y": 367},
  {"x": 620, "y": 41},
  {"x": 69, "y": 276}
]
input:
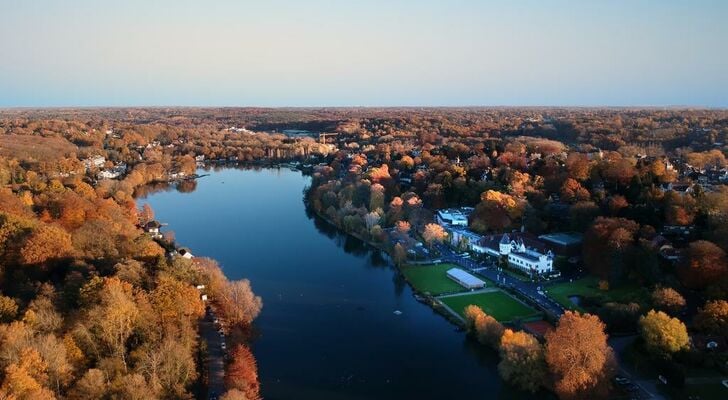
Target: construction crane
[{"x": 322, "y": 136}]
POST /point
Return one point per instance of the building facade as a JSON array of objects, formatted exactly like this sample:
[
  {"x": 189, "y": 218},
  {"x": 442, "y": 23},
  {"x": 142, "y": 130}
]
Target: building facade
[
  {"x": 521, "y": 251},
  {"x": 453, "y": 216}
]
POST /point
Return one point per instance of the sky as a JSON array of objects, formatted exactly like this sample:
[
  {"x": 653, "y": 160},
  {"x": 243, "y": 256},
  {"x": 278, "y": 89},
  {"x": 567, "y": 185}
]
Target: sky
[{"x": 363, "y": 53}]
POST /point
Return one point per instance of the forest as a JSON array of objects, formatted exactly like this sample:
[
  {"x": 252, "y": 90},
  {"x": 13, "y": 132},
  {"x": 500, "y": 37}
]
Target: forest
[{"x": 94, "y": 306}]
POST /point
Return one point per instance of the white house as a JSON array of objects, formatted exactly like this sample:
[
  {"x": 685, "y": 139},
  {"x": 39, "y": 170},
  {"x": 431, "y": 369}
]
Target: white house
[
  {"x": 177, "y": 175},
  {"x": 453, "y": 216},
  {"x": 108, "y": 174},
  {"x": 95, "y": 161},
  {"x": 523, "y": 252},
  {"x": 185, "y": 253},
  {"x": 152, "y": 228},
  {"x": 458, "y": 235},
  {"x": 531, "y": 261}
]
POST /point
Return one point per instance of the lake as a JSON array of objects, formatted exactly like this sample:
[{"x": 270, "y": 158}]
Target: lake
[{"x": 328, "y": 328}]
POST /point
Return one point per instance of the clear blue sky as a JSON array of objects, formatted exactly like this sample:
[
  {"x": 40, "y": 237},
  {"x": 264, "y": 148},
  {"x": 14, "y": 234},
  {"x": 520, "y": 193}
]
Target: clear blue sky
[{"x": 364, "y": 52}]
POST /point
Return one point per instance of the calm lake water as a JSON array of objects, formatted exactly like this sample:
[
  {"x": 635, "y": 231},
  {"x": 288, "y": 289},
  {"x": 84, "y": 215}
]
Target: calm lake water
[{"x": 328, "y": 328}]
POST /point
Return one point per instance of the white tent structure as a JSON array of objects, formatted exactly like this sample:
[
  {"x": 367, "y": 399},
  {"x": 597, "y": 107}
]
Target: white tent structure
[{"x": 465, "y": 279}]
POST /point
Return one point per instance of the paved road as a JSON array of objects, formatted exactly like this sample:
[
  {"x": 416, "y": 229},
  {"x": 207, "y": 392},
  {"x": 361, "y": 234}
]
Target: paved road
[
  {"x": 215, "y": 357},
  {"x": 647, "y": 387}
]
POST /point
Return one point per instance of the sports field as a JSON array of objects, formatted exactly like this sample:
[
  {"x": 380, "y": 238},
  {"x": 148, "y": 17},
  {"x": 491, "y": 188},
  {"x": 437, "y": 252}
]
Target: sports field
[
  {"x": 498, "y": 304},
  {"x": 432, "y": 279}
]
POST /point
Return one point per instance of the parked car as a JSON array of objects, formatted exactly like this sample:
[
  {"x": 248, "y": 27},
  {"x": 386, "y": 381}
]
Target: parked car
[{"x": 623, "y": 382}]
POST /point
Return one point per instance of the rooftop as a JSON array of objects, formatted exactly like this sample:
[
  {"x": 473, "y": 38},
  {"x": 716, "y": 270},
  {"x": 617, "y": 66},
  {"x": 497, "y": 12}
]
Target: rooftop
[
  {"x": 464, "y": 231},
  {"x": 563, "y": 238},
  {"x": 528, "y": 255},
  {"x": 530, "y": 241},
  {"x": 464, "y": 277},
  {"x": 455, "y": 214}
]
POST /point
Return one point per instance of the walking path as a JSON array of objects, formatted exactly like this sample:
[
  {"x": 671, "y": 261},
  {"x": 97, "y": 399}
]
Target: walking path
[
  {"x": 215, "y": 357},
  {"x": 485, "y": 290}
]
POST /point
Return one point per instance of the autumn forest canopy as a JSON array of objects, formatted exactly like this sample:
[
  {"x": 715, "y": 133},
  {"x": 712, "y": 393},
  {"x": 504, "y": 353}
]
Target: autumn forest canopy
[{"x": 96, "y": 304}]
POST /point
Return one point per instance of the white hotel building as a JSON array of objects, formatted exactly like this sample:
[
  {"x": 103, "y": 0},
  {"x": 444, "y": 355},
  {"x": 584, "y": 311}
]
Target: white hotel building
[{"x": 522, "y": 251}]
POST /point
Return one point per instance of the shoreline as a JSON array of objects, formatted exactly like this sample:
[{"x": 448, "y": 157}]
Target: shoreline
[{"x": 424, "y": 298}]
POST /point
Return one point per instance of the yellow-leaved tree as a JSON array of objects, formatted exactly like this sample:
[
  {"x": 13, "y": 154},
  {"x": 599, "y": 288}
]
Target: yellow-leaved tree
[{"x": 663, "y": 334}]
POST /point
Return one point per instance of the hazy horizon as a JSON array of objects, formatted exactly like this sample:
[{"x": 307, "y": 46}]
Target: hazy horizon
[{"x": 396, "y": 53}]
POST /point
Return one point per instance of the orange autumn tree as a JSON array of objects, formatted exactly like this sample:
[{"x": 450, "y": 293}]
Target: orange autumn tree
[
  {"x": 497, "y": 211},
  {"x": 242, "y": 373},
  {"x": 572, "y": 191},
  {"x": 380, "y": 174},
  {"x": 26, "y": 378},
  {"x": 606, "y": 239},
  {"x": 114, "y": 315},
  {"x": 403, "y": 227},
  {"x": 522, "y": 360},
  {"x": 616, "y": 203},
  {"x": 519, "y": 183},
  {"x": 578, "y": 166},
  {"x": 47, "y": 242},
  {"x": 703, "y": 264},
  {"x": 579, "y": 357},
  {"x": 680, "y": 209},
  {"x": 668, "y": 300},
  {"x": 486, "y": 328},
  {"x": 713, "y": 318},
  {"x": 238, "y": 304},
  {"x": 434, "y": 233},
  {"x": 177, "y": 303}
]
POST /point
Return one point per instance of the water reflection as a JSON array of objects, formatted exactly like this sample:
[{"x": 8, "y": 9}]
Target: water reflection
[{"x": 327, "y": 330}]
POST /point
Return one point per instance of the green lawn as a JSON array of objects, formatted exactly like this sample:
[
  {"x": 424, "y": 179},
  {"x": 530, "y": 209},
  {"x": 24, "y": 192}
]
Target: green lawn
[
  {"x": 707, "y": 391},
  {"x": 589, "y": 287},
  {"x": 432, "y": 278},
  {"x": 498, "y": 304}
]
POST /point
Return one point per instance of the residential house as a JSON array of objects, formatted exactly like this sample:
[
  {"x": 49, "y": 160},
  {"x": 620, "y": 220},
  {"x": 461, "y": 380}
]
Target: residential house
[
  {"x": 108, "y": 174},
  {"x": 94, "y": 162},
  {"x": 453, "y": 216},
  {"x": 185, "y": 253},
  {"x": 152, "y": 228},
  {"x": 177, "y": 175}
]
